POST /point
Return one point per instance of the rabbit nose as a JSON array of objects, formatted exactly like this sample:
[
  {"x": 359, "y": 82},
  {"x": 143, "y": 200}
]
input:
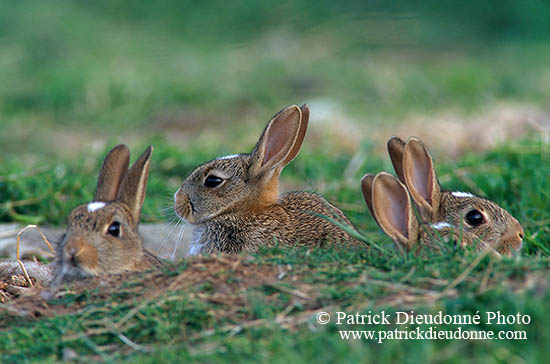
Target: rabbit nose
[
  {"x": 514, "y": 235},
  {"x": 72, "y": 249},
  {"x": 179, "y": 196},
  {"x": 520, "y": 233},
  {"x": 183, "y": 206},
  {"x": 176, "y": 195}
]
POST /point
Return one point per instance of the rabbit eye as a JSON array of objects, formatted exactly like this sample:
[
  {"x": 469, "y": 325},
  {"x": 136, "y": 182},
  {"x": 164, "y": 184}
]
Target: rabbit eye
[
  {"x": 212, "y": 181},
  {"x": 474, "y": 218},
  {"x": 114, "y": 229}
]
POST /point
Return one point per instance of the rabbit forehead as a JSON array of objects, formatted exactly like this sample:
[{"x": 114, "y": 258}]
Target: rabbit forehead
[
  {"x": 92, "y": 206},
  {"x": 230, "y": 166},
  {"x": 457, "y": 207},
  {"x": 93, "y": 215},
  {"x": 231, "y": 156}
]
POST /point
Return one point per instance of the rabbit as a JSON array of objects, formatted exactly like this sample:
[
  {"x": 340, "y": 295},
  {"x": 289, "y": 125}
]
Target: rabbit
[
  {"x": 235, "y": 204},
  {"x": 461, "y": 216},
  {"x": 389, "y": 202},
  {"x": 101, "y": 236}
]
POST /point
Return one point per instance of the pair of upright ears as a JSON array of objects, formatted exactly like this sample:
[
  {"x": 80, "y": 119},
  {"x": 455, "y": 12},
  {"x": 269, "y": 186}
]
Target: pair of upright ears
[
  {"x": 414, "y": 167},
  {"x": 118, "y": 182},
  {"x": 280, "y": 141},
  {"x": 389, "y": 198}
]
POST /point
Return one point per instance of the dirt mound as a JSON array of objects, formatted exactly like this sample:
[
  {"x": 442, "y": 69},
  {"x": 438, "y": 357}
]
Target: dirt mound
[{"x": 226, "y": 276}]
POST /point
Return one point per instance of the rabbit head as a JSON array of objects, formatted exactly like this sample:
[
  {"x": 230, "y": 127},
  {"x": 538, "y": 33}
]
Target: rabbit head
[
  {"x": 244, "y": 182},
  {"x": 101, "y": 236},
  {"x": 474, "y": 215},
  {"x": 235, "y": 203},
  {"x": 389, "y": 203}
]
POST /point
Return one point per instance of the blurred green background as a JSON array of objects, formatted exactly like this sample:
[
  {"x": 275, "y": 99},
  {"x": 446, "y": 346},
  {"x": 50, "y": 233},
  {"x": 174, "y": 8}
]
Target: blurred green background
[{"x": 198, "y": 79}]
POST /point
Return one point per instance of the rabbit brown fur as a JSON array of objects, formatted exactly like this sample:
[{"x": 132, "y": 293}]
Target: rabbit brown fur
[
  {"x": 443, "y": 214},
  {"x": 101, "y": 236},
  {"x": 235, "y": 203}
]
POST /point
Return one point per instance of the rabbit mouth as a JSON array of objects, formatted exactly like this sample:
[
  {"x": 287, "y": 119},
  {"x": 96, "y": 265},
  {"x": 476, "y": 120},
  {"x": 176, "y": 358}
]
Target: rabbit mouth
[
  {"x": 68, "y": 272},
  {"x": 510, "y": 246}
]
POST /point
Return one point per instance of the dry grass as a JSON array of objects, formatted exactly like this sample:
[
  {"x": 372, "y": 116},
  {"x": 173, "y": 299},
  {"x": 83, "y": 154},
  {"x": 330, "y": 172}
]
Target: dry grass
[{"x": 231, "y": 276}]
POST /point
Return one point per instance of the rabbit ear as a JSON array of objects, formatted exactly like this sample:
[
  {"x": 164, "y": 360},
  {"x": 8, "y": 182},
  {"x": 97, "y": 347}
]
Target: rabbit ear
[
  {"x": 134, "y": 185},
  {"x": 366, "y": 187},
  {"x": 113, "y": 170},
  {"x": 280, "y": 141},
  {"x": 420, "y": 178},
  {"x": 393, "y": 210},
  {"x": 300, "y": 135},
  {"x": 396, "y": 149}
]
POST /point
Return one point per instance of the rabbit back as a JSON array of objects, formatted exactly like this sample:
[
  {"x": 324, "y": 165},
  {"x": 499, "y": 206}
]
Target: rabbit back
[{"x": 293, "y": 221}]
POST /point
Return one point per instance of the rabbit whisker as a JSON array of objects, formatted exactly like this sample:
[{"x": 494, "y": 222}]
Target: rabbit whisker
[
  {"x": 170, "y": 233},
  {"x": 178, "y": 241}
]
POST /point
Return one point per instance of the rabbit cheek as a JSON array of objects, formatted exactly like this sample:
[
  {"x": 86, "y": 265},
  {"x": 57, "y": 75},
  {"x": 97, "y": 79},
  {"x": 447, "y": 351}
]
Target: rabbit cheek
[{"x": 270, "y": 192}]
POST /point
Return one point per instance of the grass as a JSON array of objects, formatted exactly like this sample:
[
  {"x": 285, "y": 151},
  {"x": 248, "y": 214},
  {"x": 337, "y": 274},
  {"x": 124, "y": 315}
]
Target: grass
[
  {"x": 515, "y": 175},
  {"x": 225, "y": 312},
  {"x": 219, "y": 312},
  {"x": 77, "y": 78}
]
